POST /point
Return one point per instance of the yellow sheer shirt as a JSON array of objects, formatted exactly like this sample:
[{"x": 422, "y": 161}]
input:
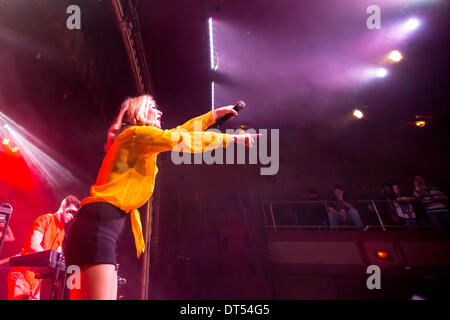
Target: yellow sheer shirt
[{"x": 127, "y": 176}]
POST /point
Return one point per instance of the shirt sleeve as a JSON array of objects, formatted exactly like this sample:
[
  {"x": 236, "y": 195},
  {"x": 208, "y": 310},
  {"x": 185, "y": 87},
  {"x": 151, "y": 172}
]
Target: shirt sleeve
[
  {"x": 200, "y": 123},
  {"x": 40, "y": 224},
  {"x": 153, "y": 140}
]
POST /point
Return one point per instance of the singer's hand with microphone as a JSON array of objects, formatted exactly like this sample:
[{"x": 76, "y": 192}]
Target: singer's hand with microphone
[{"x": 223, "y": 111}]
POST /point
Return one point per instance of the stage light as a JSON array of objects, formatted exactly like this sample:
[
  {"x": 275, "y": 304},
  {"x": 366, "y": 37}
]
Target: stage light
[
  {"x": 420, "y": 123},
  {"x": 36, "y": 156},
  {"x": 395, "y": 56},
  {"x": 212, "y": 95},
  {"x": 5, "y": 141},
  {"x": 358, "y": 114},
  {"x": 412, "y": 24},
  {"x": 382, "y": 254},
  {"x": 381, "y": 72},
  {"x": 212, "y": 51},
  {"x": 404, "y": 28}
]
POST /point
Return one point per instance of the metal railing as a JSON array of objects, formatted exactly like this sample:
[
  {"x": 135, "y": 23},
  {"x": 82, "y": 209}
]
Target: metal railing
[{"x": 375, "y": 215}]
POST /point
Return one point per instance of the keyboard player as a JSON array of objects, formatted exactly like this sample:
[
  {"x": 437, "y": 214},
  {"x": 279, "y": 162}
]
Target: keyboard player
[{"x": 47, "y": 233}]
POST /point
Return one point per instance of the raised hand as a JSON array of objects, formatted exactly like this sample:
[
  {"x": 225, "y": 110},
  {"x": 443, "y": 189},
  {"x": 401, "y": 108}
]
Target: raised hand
[{"x": 223, "y": 111}]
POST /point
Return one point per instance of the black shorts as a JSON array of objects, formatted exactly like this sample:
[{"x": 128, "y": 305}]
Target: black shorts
[{"x": 94, "y": 235}]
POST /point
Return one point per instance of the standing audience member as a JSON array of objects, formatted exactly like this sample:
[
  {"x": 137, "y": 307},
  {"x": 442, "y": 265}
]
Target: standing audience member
[
  {"x": 434, "y": 203},
  {"x": 404, "y": 209}
]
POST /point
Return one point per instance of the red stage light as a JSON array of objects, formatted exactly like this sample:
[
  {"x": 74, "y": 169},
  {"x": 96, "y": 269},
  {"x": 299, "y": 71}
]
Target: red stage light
[{"x": 382, "y": 254}]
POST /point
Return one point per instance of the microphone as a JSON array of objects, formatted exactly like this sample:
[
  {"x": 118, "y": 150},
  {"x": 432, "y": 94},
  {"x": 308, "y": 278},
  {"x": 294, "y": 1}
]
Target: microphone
[{"x": 238, "y": 107}]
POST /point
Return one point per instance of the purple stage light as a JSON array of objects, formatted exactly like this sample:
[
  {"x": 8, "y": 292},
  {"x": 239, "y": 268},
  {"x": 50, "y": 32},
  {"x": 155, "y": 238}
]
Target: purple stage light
[
  {"x": 412, "y": 24},
  {"x": 405, "y": 28},
  {"x": 212, "y": 53},
  {"x": 381, "y": 72}
]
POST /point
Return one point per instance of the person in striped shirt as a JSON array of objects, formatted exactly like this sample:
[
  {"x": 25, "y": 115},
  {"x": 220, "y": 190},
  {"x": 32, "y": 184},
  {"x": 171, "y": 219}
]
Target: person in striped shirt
[{"x": 434, "y": 203}]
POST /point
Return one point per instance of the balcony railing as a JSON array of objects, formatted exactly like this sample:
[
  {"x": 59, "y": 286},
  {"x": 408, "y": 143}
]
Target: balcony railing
[{"x": 375, "y": 215}]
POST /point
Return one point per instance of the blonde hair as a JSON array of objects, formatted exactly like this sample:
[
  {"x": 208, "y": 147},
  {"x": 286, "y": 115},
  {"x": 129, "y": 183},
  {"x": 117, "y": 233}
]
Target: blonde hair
[{"x": 131, "y": 113}]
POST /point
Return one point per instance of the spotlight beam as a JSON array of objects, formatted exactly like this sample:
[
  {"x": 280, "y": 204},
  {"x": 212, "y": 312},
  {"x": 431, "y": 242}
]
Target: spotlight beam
[{"x": 54, "y": 173}]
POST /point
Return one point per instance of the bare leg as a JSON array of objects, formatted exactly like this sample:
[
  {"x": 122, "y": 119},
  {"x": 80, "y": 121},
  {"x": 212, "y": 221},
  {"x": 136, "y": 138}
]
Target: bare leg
[{"x": 98, "y": 282}]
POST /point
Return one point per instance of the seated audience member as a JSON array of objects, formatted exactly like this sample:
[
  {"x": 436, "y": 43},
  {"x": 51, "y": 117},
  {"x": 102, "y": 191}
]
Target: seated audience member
[
  {"x": 339, "y": 210},
  {"x": 434, "y": 203},
  {"x": 388, "y": 194}
]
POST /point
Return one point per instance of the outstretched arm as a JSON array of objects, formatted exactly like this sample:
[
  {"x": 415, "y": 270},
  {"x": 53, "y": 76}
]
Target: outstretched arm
[
  {"x": 154, "y": 140},
  {"x": 202, "y": 122}
]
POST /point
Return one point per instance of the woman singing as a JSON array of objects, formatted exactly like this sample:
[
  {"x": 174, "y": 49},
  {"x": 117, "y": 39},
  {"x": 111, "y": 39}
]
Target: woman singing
[{"x": 125, "y": 182}]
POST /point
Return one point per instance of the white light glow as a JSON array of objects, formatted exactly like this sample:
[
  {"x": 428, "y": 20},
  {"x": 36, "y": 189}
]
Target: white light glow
[
  {"x": 404, "y": 29},
  {"x": 381, "y": 72},
  {"x": 395, "y": 56},
  {"x": 412, "y": 24},
  {"x": 211, "y": 44},
  {"x": 35, "y": 154},
  {"x": 358, "y": 114}
]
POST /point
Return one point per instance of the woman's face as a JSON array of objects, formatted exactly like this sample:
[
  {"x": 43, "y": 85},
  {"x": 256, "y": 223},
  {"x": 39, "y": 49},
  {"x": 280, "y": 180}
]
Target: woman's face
[{"x": 152, "y": 115}]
